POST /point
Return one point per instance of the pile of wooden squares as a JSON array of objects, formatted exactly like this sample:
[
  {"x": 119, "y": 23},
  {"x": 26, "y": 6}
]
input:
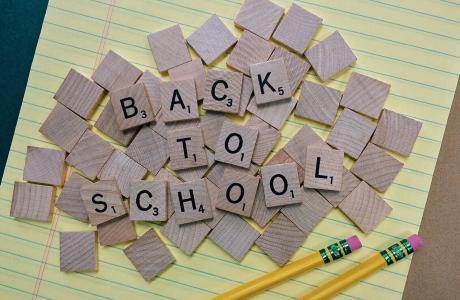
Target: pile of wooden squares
[{"x": 210, "y": 173}]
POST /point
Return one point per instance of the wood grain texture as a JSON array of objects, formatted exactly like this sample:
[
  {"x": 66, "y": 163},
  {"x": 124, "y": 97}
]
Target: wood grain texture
[
  {"x": 250, "y": 49},
  {"x": 211, "y": 39},
  {"x": 349, "y": 183},
  {"x": 90, "y": 154},
  {"x": 159, "y": 126},
  {"x": 323, "y": 168},
  {"x": 211, "y": 125},
  {"x": 259, "y": 17},
  {"x": 297, "y": 28},
  {"x": 168, "y": 48},
  {"x": 149, "y": 255},
  {"x": 270, "y": 81},
  {"x": 32, "y": 201},
  {"x": 63, "y": 127},
  {"x": 151, "y": 84},
  {"x": 116, "y": 231},
  {"x": 330, "y": 56},
  {"x": 262, "y": 214},
  {"x": 396, "y": 132},
  {"x": 78, "y": 251},
  {"x": 281, "y": 184},
  {"x": 234, "y": 235},
  {"x": 217, "y": 172},
  {"x": 247, "y": 91},
  {"x": 170, "y": 179},
  {"x": 193, "y": 69},
  {"x": 275, "y": 113},
  {"x": 114, "y": 72},
  {"x": 79, "y": 94},
  {"x": 178, "y": 100},
  {"x": 351, "y": 133},
  {"x": 282, "y": 157},
  {"x": 223, "y": 91},
  {"x": 213, "y": 192},
  {"x": 147, "y": 201},
  {"x": 186, "y": 148},
  {"x": 70, "y": 200},
  {"x": 297, "y": 145},
  {"x": 364, "y": 207},
  {"x": 45, "y": 166},
  {"x": 266, "y": 139},
  {"x": 376, "y": 167},
  {"x": 196, "y": 173},
  {"x": 281, "y": 239}
]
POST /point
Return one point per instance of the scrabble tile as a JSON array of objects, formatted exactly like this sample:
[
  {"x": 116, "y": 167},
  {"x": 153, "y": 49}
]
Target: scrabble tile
[
  {"x": 281, "y": 240},
  {"x": 379, "y": 177},
  {"x": 78, "y": 251},
  {"x": 282, "y": 157},
  {"x": 262, "y": 214},
  {"x": 196, "y": 173},
  {"x": 259, "y": 17},
  {"x": 191, "y": 70},
  {"x": 70, "y": 200},
  {"x": 115, "y": 72},
  {"x": 213, "y": 192},
  {"x": 149, "y": 149},
  {"x": 330, "y": 56},
  {"x": 249, "y": 50},
  {"x": 275, "y": 113},
  {"x": 168, "y": 48},
  {"x": 236, "y": 144},
  {"x": 102, "y": 201},
  {"x": 211, "y": 39},
  {"x": 351, "y": 133},
  {"x": 90, "y": 154},
  {"x": 396, "y": 132},
  {"x": 170, "y": 179},
  {"x": 234, "y": 235},
  {"x": 178, "y": 99},
  {"x": 217, "y": 172},
  {"x": 296, "y": 66},
  {"x": 297, "y": 28},
  {"x": 237, "y": 192},
  {"x": 186, "y": 148},
  {"x": 116, "y": 231},
  {"x": 349, "y": 183},
  {"x": 148, "y": 201},
  {"x": 32, "y": 201},
  {"x": 123, "y": 169},
  {"x": 79, "y": 94},
  {"x": 323, "y": 168},
  {"x": 297, "y": 145},
  {"x": 151, "y": 84},
  {"x": 281, "y": 185},
  {"x": 223, "y": 91},
  {"x": 365, "y": 95},
  {"x": 318, "y": 103},
  {"x": 149, "y": 255},
  {"x": 247, "y": 91},
  {"x": 44, "y": 166},
  {"x": 364, "y": 207},
  {"x": 211, "y": 124},
  {"x": 309, "y": 213},
  {"x": 186, "y": 237},
  {"x": 266, "y": 139},
  {"x": 159, "y": 126},
  {"x": 63, "y": 127},
  {"x": 270, "y": 81},
  {"x": 191, "y": 201}
]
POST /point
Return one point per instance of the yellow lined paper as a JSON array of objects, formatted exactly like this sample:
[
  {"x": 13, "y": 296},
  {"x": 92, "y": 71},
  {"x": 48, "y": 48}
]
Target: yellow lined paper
[{"x": 413, "y": 45}]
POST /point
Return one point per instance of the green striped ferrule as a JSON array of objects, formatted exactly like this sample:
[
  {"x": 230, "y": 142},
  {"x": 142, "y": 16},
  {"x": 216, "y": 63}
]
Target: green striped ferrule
[
  {"x": 335, "y": 251},
  {"x": 346, "y": 248},
  {"x": 386, "y": 257},
  {"x": 408, "y": 246},
  {"x": 397, "y": 251},
  {"x": 324, "y": 256}
]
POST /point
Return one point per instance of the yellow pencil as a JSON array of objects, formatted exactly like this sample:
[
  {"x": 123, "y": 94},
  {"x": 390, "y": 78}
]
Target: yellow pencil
[
  {"x": 323, "y": 256},
  {"x": 376, "y": 262}
]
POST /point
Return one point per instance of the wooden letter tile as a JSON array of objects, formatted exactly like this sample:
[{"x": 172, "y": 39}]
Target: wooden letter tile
[
  {"x": 281, "y": 185},
  {"x": 32, "y": 201},
  {"x": 108, "y": 125},
  {"x": 323, "y": 168},
  {"x": 211, "y": 124},
  {"x": 266, "y": 139},
  {"x": 270, "y": 81},
  {"x": 223, "y": 91},
  {"x": 349, "y": 183},
  {"x": 178, "y": 100},
  {"x": 296, "y": 147},
  {"x": 116, "y": 231},
  {"x": 275, "y": 113},
  {"x": 151, "y": 84},
  {"x": 262, "y": 214},
  {"x": 148, "y": 201},
  {"x": 44, "y": 166},
  {"x": 213, "y": 191},
  {"x": 191, "y": 70},
  {"x": 247, "y": 91},
  {"x": 78, "y": 251},
  {"x": 70, "y": 201},
  {"x": 186, "y": 148},
  {"x": 296, "y": 67}
]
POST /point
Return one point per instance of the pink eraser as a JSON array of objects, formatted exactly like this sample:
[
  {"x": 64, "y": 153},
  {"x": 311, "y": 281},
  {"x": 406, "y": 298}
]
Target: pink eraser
[
  {"x": 415, "y": 241},
  {"x": 354, "y": 243}
]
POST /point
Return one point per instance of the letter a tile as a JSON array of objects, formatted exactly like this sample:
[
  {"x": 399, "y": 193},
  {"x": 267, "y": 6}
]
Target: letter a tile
[{"x": 178, "y": 100}]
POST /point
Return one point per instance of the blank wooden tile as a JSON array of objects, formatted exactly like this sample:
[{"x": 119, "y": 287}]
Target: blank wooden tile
[
  {"x": 211, "y": 39},
  {"x": 309, "y": 213},
  {"x": 162, "y": 128},
  {"x": 217, "y": 172},
  {"x": 102, "y": 201},
  {"x": 351, "y": 133},
  {"x": 281, "y": 240},
  {"x": 349, "y": 183},
  {"x": 223, "y": 91},
  {"x": 281, "y": 185},
  {"x": 186, "y": 237},
  {"x": 178, "y": 100},
  {"x": 247, "y": 91},
  {"x": 170, "y": 179},
  {"x": 79, "y": 94},
  {"x": 259, "y": 17},
  {"x": 149, "y": 255},
  {"x": 213, "y": 192},
  {"x": 275, "y": 113},
  {"x": 296, "y": 66},
  {"x": 186, "y": 148},
  {"x": 262, "y": 214},
  {"x": 90, "y": 154},
  {"x": 63, "y": 127},
  {"x": 168, "y": 48},
  {"x": 330, "y": 56},
  {"x": 211, "y": 124},
  {"x": 199, "y": 172},
  {"x": 191, "y": 70},
  {"x": 364, "y": 207},
  {"x": 250, "y": 49},
  {"x": 323, "y": 168},
  {"x": 365, "y": 95},
  {"x": 32, "y": 201},
  {"x": 376, "y": 167},
  {"x": 44, "y": 166},
  {"x": 282, "y": 157},
  {"x": 151, "y": 84},
  {"x": 396, "y": 132},
  {"x": 270, "y": 81},
  {"x": 266, "y": 139},
  {"x": 297, "y": 145},
  {"x": 297, "y": 28},
  {"x": 116, "y": 231},
  {"x": 78, "y": 251},
  {"x": 237, "y": 192},
  {"x": 236, "y": 144},
  {"x": 234, "y": 235},
  {"x": 115, "y": 72},
  {"x": 318, "y": 103},
  {"x": 123, "y": 169},
  {"x": 70, "y": 200},
  {"x": 147, "y": 201}
]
